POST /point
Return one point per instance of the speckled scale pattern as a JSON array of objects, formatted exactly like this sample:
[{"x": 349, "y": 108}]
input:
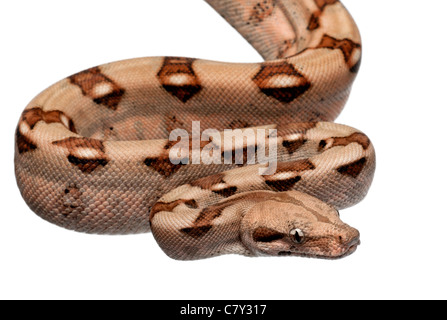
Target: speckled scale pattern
[{"x": 92, "y": 151}]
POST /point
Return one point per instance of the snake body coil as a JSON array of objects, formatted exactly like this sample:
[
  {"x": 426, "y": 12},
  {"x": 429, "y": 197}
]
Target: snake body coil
[{"x": 92, "y": 152}]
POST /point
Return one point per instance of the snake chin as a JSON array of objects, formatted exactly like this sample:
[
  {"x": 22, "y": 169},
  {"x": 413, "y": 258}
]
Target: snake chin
[
  {"x": 343, "y": 253},
  {"x": 321, "y": 253}
]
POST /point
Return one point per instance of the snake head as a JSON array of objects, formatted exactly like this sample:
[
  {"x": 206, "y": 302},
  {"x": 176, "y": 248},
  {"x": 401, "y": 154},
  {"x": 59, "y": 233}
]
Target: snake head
[{"x": 296, "y": 224}]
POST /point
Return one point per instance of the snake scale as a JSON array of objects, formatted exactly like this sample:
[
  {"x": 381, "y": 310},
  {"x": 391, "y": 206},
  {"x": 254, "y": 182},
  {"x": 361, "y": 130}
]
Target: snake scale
[{"x": 92, "y": 152}]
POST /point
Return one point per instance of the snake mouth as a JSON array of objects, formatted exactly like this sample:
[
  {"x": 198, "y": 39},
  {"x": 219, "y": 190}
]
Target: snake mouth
[{"x": 350, "y": 248}]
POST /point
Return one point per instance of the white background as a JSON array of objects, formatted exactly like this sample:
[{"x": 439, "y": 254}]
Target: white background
[{"x": 399, "y": 100}]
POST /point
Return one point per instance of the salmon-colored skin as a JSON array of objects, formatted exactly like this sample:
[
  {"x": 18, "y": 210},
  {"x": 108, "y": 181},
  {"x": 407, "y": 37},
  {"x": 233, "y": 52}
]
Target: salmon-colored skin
[{"x": 92, "y": 151}]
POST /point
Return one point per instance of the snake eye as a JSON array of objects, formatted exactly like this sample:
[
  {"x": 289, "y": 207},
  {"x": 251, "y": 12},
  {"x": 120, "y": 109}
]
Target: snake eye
[{"x": 297, "y": 235}]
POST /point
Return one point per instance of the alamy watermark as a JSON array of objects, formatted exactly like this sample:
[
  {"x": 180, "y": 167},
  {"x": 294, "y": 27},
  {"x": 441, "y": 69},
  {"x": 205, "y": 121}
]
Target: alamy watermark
[{"x": 233, "y": 146}]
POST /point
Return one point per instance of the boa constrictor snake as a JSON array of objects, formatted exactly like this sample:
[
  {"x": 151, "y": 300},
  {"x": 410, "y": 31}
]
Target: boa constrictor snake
[{"x": 92, "y": 153}]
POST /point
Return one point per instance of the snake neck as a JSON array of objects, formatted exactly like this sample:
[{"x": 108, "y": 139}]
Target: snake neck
[{"x": 218, "y": 229}]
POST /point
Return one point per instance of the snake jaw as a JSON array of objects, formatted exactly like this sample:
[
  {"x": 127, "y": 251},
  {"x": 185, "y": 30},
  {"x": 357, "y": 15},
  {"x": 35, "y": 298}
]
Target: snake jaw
[
  {"x": 332, "y": 251},
  {"x": 327, "y": 253},
  {"x": 344, "y": 250}
]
